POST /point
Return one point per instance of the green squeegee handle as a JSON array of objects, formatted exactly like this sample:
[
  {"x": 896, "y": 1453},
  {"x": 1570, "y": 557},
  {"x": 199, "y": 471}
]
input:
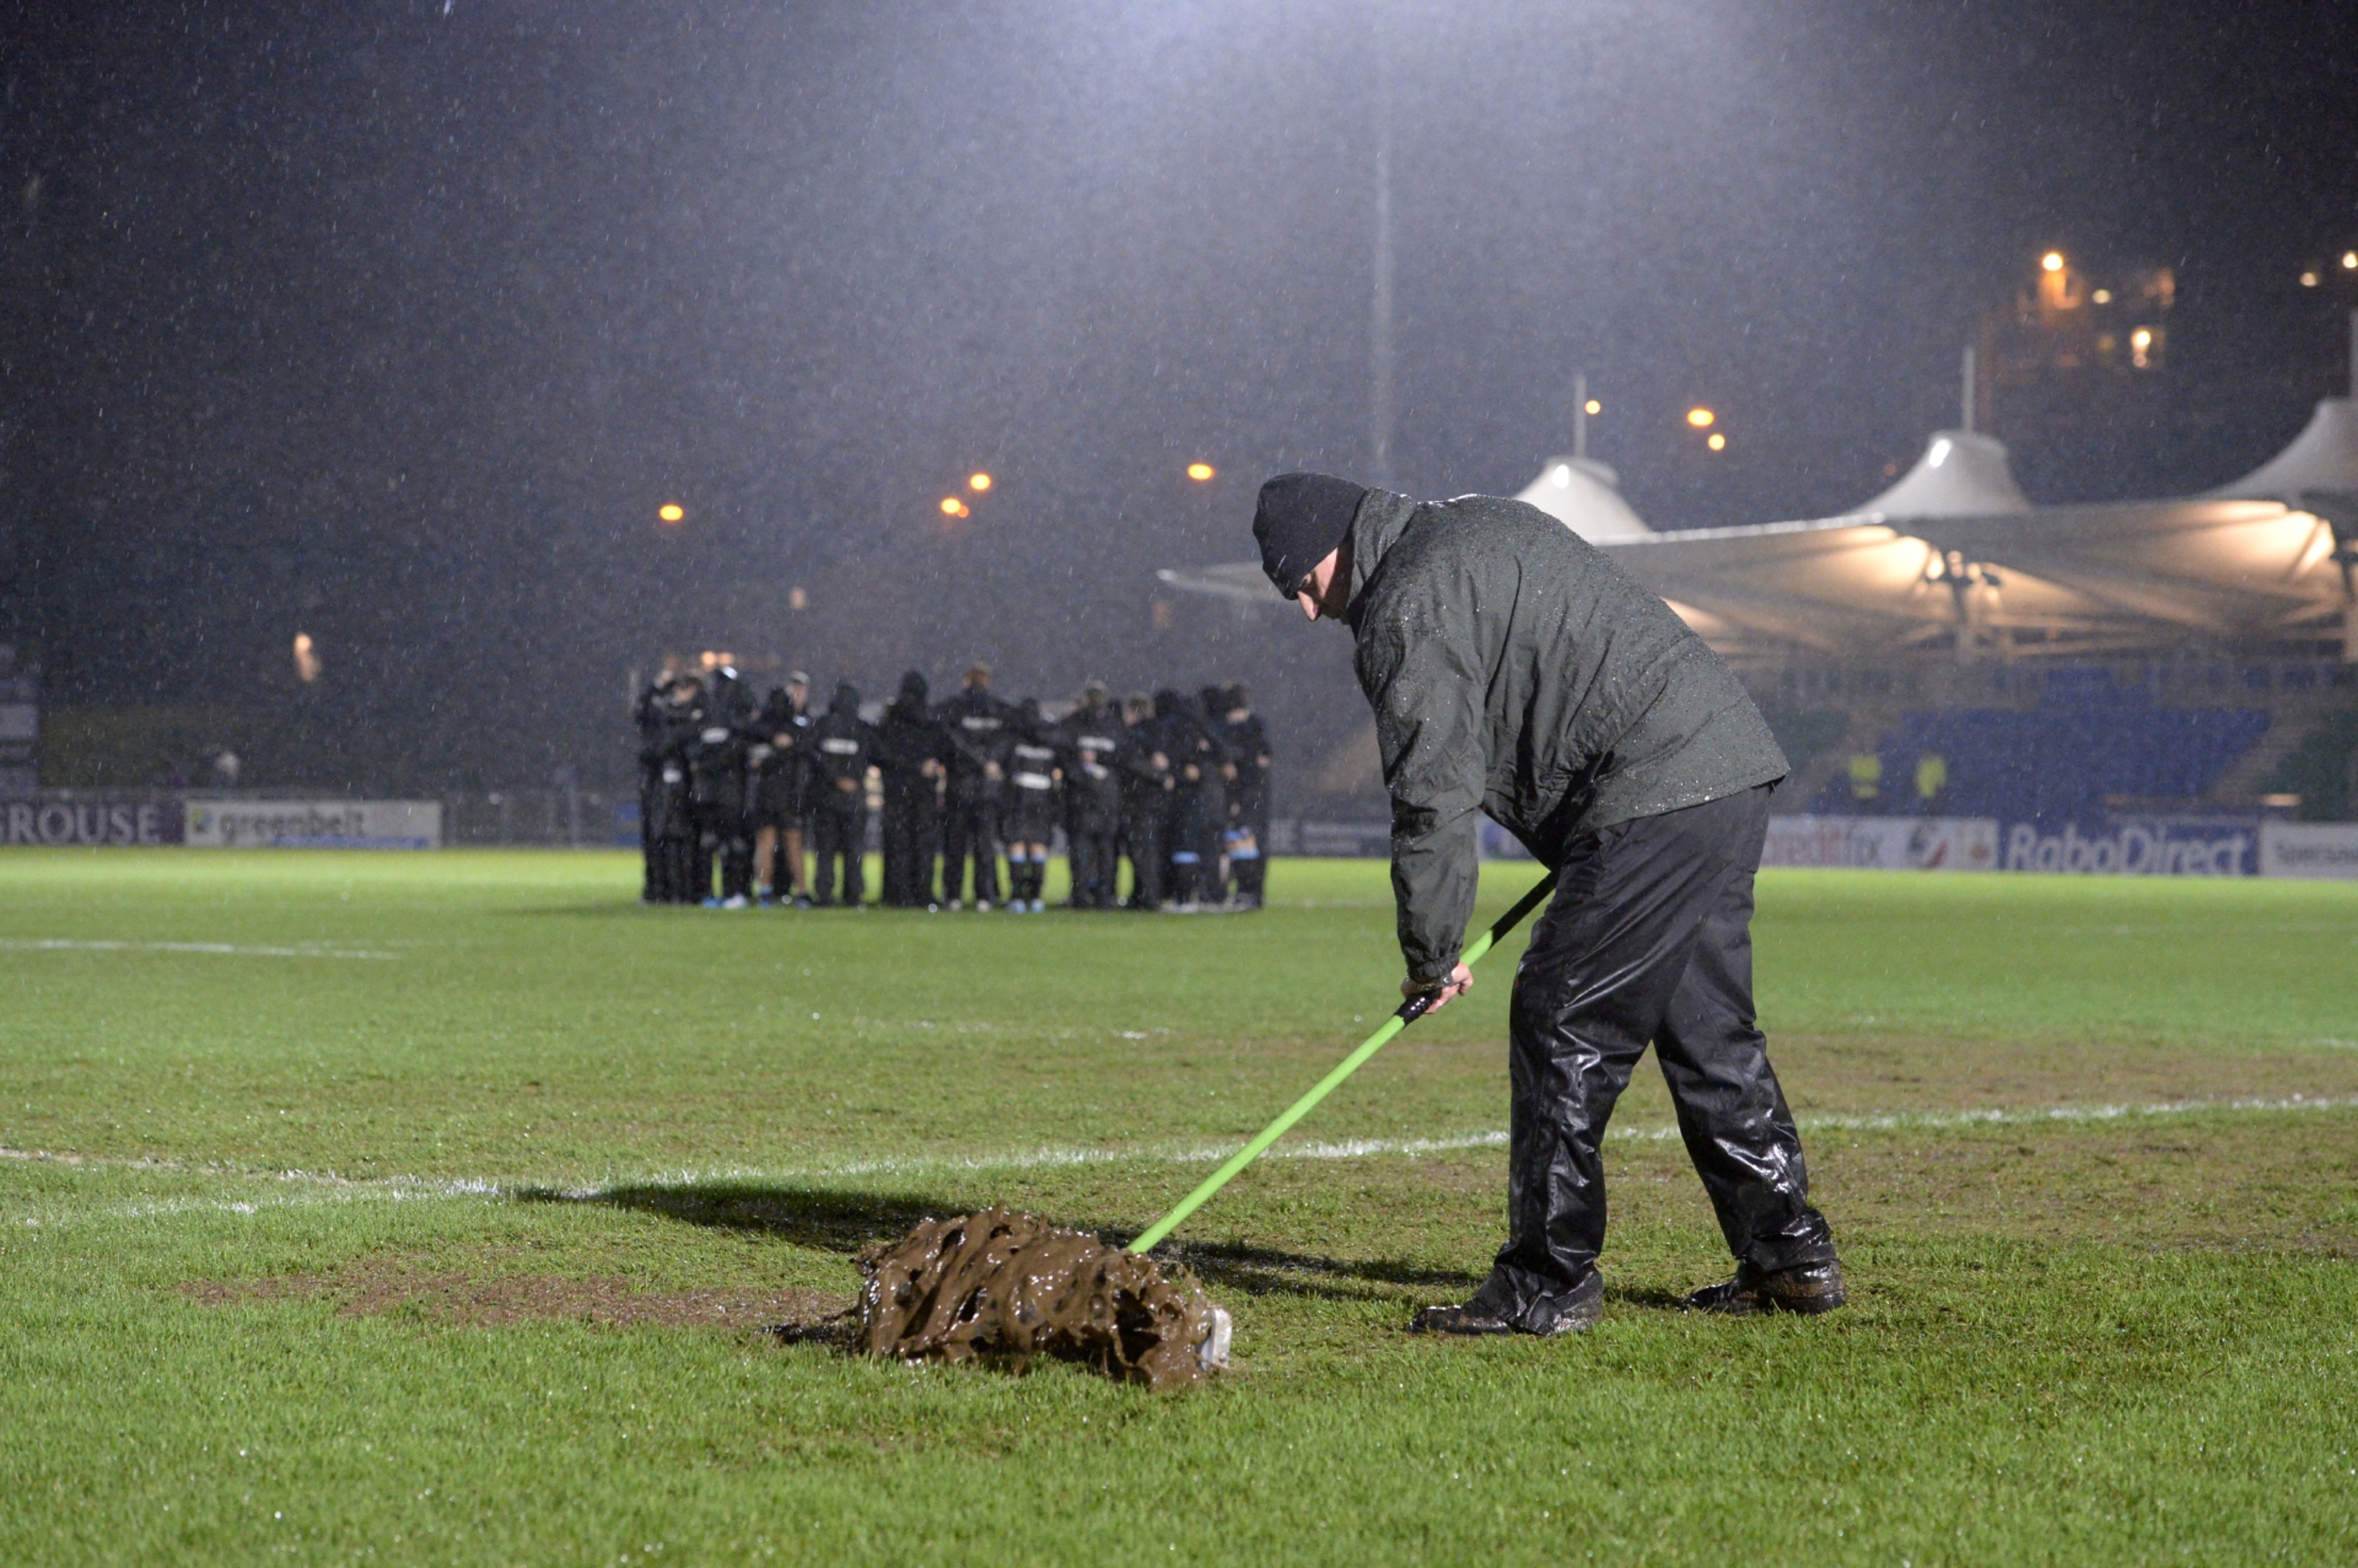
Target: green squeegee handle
[{"x": 1410, "y": 1011}]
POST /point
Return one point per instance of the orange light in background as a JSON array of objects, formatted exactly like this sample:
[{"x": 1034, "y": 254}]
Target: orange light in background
[
  {"x": 1199, "y": 472},
  {"x": 2309, "y": 280},
  {"x": 953, "y": 507},
  {"x": 2051, "y": 261},
  {"x": 1593, "y": 406},
  {"x": 797, "y": 600},
  {"x": 671, "y": 512},
  {"x": 1718, "y": 443},
  {"x": 306, "y": 659},
  {"x": 2349, "y": 261},
  {"x": 1701, "y": 418},
  {"x": 978, "y": 482}
]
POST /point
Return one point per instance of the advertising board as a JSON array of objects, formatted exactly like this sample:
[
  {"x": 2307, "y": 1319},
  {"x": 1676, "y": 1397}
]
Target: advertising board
[
  {"x": 314, "y": 824},
  {"x": 2154, "y": 847},
  {"x": 1883, "y": 843},
  {"x": 86, "y": 824},
  {"x": 2308, "y": 850}
]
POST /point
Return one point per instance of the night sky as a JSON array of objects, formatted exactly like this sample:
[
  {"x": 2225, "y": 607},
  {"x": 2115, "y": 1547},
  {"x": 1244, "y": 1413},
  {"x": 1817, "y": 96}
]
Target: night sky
[{"x": 395, "y": 324}]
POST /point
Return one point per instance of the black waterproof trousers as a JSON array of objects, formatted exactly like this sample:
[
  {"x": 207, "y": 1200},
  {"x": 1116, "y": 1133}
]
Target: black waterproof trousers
[
  {"x": 1090, "y": 855},
  {"x": 839, "y": 832},
  {"x": 721, "y": 830},
  {"x": 1144, "y": 826},
  {"x": 913, "y": 835},
  {"x": 971, "y": 831},
  {"x": 1647, "y": 940}
]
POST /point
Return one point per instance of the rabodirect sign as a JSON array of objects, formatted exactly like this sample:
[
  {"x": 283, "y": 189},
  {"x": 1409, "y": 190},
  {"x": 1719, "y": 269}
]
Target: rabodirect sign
[
  {"x": 90, "y": 824},
  {"x": 2137, "y": 849}
]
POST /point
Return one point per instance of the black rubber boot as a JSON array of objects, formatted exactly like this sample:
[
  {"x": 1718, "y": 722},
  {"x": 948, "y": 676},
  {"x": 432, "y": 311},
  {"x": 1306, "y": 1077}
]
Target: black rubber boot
[
  {"x": 1494, "y": 1310},
  {"x": 1811, "y": 1289}
]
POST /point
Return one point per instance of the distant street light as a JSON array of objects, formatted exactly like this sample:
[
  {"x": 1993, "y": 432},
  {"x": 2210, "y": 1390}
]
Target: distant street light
[
  {"x": 2309, "y": 280},
  {"x": 1593, "y": 406},
  {"x": 978, "y": 482},
  {"x": 2052, "y": 261},
  {"x": 953, "y": 507},
  {"x": 2349, "y": 261},
  {"x": 671, "y": 512},
  {"x": 306, "y": 659},
  {"x": 1701, "y": 418},
  {"x": 1718, "y": 443},
  {"x": 1200, "y": 471}
]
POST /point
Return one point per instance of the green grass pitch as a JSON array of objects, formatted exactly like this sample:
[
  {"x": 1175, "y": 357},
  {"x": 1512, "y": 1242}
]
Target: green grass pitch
[{"x": 427, "y": 1208}]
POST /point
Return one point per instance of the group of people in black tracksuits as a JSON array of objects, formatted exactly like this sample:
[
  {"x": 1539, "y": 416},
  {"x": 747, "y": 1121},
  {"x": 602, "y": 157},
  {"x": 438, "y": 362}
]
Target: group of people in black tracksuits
[{"x": 775, "y": 798}]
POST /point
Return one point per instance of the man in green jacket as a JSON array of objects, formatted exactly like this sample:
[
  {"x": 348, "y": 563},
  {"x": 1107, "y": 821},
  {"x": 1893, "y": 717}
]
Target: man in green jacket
[{"x": 1514, "y": 670}]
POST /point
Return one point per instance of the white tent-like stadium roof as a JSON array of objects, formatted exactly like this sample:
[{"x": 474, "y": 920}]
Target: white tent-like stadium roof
[{"x": 1953, "y": 555}]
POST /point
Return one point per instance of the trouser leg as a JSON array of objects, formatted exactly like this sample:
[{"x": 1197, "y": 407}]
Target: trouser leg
[
  {"x": 900, "y": 851},
  {"x": 854, "y": 827},
  {"x": 956, "y": 822},
  {"x": 679, "y": 869},
  {"x": 1594, "y": 989},
  {"x": 736, "y": 861},
  {"x": 929, "y": 848},
  {"x": 1146, "y": 861},
  {"x": 1731, "y": 1109},
  {"x": 985, "y": 834},
  {"x": 1090, "y": 861},
  {"x": 828, "y": 834}
]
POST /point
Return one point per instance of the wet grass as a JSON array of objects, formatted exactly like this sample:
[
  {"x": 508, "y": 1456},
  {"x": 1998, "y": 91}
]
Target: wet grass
[{"x": 419, "y": 1257}]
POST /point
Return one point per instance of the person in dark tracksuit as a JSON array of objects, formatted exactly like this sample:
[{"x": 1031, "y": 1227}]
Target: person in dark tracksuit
[
  {"x": 717, "y": 786},
  {"x": 651, "y": 715},
  {"x": 975, "y": 723},
  {"x": 779, "y": 756},
  {"x": 1091, "y": 737},
  {"x": 1213, "y": 887},
  {"x": 1034, "y": 757},
  {"x": 1515, "y": 669},
  {"x": 1198, "y": 800},
  {"x": 912, "y": 753},
  {"x": 842, "y": 744},
  {"x": 1247, "y": 835},
  {"x": 1146, "y": 789},
  {"x": 671, "y": 815}
]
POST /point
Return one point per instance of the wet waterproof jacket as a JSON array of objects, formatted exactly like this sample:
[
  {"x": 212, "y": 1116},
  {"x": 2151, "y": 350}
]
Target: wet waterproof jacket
[
  {"x": 977, "y": 726},
  {"x": 1515, "y": 669},
  {"x": 906, "y": 740},
  {"x": 1090, "y": 738},
  {"x": 780, "y": 761},
  {"x": 842, "y": 746}
]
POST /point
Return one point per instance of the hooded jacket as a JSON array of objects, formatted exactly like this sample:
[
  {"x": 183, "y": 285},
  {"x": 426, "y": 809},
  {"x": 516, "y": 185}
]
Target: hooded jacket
[
  {"x": 842, "y": 746},
  {"x": 1515, "y": 669}
]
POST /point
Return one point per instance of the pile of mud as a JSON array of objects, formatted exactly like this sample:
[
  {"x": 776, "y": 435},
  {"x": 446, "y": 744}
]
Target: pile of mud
[{"x": 1006, "y": 1287}]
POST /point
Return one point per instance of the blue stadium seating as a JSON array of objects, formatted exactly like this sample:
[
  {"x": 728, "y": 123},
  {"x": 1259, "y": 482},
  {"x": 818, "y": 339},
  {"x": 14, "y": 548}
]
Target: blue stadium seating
[{"x": 2086, "y": 738}]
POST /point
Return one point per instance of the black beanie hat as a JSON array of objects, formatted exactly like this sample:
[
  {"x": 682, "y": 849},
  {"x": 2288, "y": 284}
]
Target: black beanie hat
[{"x": 1301, "y": 520}]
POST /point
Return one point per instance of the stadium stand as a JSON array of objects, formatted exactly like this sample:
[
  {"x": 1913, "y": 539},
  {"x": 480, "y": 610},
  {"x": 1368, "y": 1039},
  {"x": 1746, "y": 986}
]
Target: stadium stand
[{"x": 2087, "y": 740}]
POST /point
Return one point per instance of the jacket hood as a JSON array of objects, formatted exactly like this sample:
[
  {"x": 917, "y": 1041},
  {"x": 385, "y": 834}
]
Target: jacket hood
[
  {"x": 846, "y": 699},
  {"x": 1383, "y": 517}
]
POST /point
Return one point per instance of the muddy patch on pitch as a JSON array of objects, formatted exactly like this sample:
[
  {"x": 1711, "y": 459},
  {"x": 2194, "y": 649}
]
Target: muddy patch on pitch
[
  {"x": 1010, "y": 1288},
  {"x": 372, "y": 1288}
]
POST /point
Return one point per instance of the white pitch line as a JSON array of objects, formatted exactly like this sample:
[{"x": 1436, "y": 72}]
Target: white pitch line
[
  {"x": 228, "y": 949},
  {"x": 317, "y": 1188}
]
